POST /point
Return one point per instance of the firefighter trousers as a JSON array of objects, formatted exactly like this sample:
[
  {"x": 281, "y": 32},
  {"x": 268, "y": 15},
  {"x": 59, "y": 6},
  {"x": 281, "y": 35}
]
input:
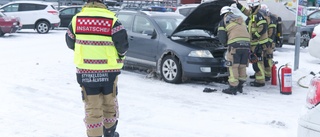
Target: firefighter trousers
[
  {"x": 237, "y": 66},
  {"x": 258, "y": 67},
  {"x": 268, "y": 59},
  {"x": 101, "y": 107}
]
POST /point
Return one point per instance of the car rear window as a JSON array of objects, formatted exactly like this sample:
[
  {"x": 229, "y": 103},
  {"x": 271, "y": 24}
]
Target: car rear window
[{"x": 126, "y": 20}]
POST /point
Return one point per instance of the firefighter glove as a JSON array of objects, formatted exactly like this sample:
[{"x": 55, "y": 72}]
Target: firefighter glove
[{"x": 253, "y": 58}]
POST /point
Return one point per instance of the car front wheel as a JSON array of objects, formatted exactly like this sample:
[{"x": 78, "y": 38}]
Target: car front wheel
[
  {"x": 42, "y": 27},
  {"x": 305, "y": 37},
  {"x": 1, "y": 33},
  {"x": 171, "y": 70}
]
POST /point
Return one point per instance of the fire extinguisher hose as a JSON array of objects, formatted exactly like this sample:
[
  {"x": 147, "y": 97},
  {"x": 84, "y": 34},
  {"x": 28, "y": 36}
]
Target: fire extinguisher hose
[
  {"x": 299, "y": 83},
  {"x": 279, "y": 77}
]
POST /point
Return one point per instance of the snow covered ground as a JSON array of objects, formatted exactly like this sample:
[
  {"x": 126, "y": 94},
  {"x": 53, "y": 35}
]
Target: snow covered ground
[{"x": 41, "y": 98}]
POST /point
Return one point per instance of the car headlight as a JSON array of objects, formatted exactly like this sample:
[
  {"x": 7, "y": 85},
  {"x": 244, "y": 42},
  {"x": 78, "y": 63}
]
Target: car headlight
[
  {"x": 15, "y": 23},
  {"x": 201, "y": 54}
]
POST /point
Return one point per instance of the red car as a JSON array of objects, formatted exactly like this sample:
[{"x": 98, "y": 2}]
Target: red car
[{"x": 8, "y": 24}]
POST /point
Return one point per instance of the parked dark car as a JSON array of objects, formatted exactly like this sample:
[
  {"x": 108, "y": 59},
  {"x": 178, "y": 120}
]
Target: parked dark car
[
  {"x": 8, "y": 24},
  {"x": 67, "y": 13},
  {"x": 175, "y": 46}
]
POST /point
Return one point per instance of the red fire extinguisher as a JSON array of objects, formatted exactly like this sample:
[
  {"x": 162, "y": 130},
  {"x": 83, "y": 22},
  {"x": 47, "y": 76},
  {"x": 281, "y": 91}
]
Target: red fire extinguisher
[
  {"x": 274, "y": 73},
  {"x": 286, "y": 80}
]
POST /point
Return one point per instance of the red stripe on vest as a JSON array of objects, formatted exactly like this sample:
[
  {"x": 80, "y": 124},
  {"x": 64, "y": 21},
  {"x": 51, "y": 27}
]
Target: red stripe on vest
[{"x": 94, "y": 25}]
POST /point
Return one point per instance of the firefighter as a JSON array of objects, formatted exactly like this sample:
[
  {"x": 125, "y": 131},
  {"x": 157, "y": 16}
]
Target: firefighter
[
  {"x": 232, "y": 32},
  {"x": 99, "y": 42},
  {"x": 272, "y": 32},
  {"x": 257, "y": 27}
]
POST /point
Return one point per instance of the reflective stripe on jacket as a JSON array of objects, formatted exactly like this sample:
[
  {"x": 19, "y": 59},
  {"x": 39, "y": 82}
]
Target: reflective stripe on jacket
[
  {"x": 234, "y": 28},
  {"x": 257, "y": 25}
]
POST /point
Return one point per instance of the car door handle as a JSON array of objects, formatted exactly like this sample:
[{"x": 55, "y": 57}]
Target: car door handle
[{"x": 131, "y": 38}]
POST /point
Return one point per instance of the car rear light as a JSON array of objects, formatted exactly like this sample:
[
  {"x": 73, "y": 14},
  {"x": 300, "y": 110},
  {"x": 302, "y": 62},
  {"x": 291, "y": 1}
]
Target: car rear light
[
  {"x": 313, "y": 97},
  {"x": 54, "y": 12},
  {"x": 313, "y": 35}
]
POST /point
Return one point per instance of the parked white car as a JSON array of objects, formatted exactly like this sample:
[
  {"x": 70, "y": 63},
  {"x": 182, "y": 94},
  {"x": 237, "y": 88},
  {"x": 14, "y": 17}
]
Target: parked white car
[
  {"x": 309, "y": 121},
  {"x": 186, "y": 9},
  {"x": 38, "y": 15},
  {"x": 314, "y": 43}
]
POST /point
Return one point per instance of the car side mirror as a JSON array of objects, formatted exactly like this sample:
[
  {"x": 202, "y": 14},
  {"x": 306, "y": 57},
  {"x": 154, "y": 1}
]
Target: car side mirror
[
  {"x": 151, "y": 33},
  {"x": 148, "y": 32},
  {"x": 1, "y": 10}
]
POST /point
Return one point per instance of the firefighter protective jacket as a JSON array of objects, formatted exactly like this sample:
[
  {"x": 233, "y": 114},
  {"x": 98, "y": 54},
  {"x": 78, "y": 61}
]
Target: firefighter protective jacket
[
  {"x": 257, "y": 25},
  {"x": 99, "y": 42},
  {"x": 272, "y": 24},
  {"x": 232, "y": 29}
]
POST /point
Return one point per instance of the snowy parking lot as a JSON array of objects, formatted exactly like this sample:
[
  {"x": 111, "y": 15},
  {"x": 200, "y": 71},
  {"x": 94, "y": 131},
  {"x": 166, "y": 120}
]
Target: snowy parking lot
[{"x": 41, "y": 98}]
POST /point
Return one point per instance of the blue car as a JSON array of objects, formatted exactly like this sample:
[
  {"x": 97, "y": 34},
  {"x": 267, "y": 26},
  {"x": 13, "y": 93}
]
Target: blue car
[{"x": 175, "y": 46}]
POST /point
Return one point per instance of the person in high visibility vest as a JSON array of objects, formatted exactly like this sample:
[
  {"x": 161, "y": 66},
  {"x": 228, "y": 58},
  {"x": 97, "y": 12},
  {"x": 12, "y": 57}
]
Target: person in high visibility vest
[
  {"x": 257, "y": 27},
  {"x": 100, "y": 43},
  {"x": 232, "y": 32}
]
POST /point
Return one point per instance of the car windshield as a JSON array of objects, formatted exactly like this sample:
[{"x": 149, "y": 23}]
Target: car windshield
[{"x": 169, "y": 24}]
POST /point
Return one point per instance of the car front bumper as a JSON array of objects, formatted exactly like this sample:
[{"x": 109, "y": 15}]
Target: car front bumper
[
  {"x": 15, "y": 28},
  {"x": 204, "y": 67},
  {"x": 309, "y": 125},
  {"x": 55, "y": 25}
]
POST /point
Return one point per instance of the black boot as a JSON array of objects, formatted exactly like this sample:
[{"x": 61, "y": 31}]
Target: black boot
[
  {"x": 256, "y": 84},
  {"x": 267, "y": 78},
  {"x": 231, "y": 90},
  {"x": 240, "y": 86},
  {"x": 111, "y": 132},
  {"x": 252, "y": 76}
]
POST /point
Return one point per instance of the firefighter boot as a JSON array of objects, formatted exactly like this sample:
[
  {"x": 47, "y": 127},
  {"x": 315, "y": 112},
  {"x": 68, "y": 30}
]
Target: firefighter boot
[
  {"x": 256, "y": 84},
  {"x": 111, "y": 132},
  {"x": 267, "y": 78},
  {"x": 252, "y": 76},
  {"x": 231, "y": 90},
  {"x": 240, "y": 86}
]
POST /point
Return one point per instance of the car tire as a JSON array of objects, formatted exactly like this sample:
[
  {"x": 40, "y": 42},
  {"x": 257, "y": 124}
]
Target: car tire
[
  {"x": 171, "y": 70},
  {"x": 305, "y": 37},
  {"x": 1, "y": 33},
  {"x": 43, "y": 27}
]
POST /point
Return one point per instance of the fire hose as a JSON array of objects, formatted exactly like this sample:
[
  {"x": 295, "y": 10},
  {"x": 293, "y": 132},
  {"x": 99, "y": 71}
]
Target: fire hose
[{"x": 311, "y": 73}]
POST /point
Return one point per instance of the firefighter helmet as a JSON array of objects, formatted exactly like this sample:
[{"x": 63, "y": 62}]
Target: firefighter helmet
[
  {"x": 264, "y": 7},
  {"x": 225, "y": 9},
  {"x": 253, "y": 3}
]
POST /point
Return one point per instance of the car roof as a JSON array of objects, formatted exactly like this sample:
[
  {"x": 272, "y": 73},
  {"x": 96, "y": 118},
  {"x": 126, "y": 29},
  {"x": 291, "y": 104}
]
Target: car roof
[{"x": 151, "y": 13}]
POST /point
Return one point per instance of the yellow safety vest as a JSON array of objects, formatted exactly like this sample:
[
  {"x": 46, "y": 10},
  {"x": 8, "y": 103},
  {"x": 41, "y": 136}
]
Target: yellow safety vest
[{"x": 94, "y": 49}]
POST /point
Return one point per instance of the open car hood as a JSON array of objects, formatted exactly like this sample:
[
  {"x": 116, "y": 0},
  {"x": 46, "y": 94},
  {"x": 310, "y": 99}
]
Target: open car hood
[{"x": 206, "y": 17}]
